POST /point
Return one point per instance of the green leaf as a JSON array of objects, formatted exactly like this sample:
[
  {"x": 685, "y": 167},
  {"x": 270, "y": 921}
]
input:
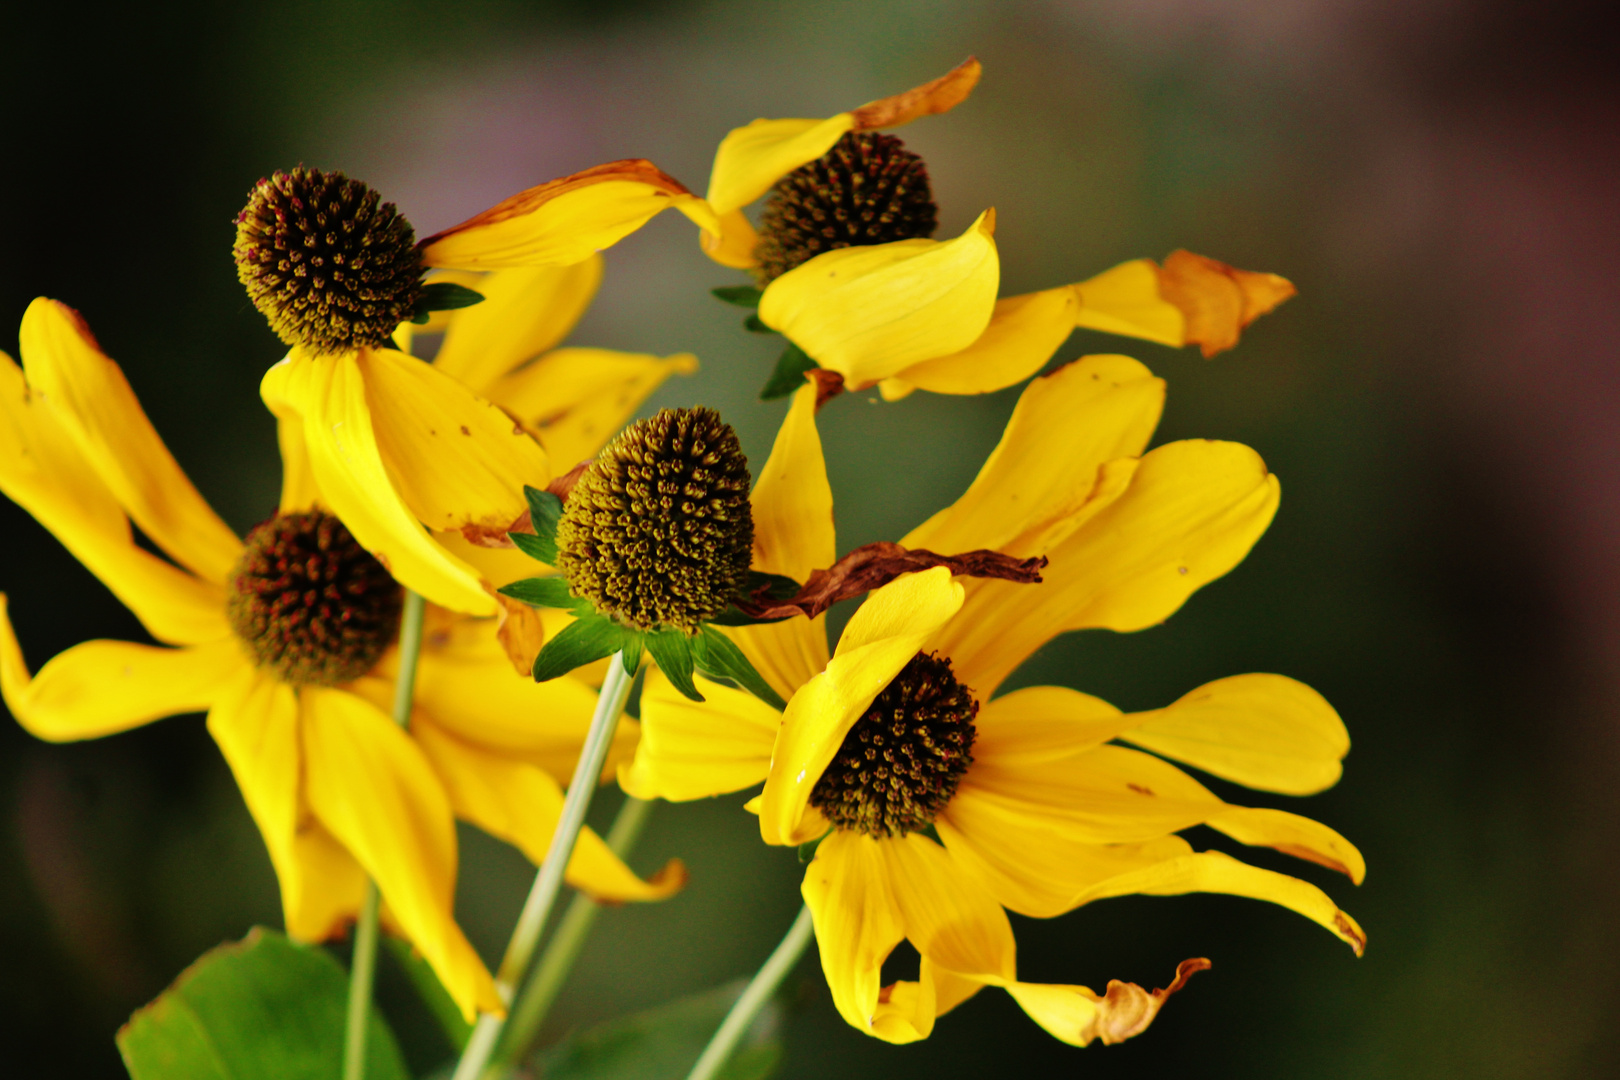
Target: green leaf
[
  {"x": 549, "y": 592},
  {"x": 536, "y": 547},
  {"x": 755, "y": 325},
  {"x": 789, "y": 373},
  {"x": 672, "y": 652},
  {"x": 718, "y": 657},
  {"x": 664, "y": 1043},
  {"x": 259, "y": 1009},
  {"x": 741, "y": 295},
  {"x": 433, "y": 994},
  {"x": 443, "y": 296},
  {"x": 584, "y": 641}
]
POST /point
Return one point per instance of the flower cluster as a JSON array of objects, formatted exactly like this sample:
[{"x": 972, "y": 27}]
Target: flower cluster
[{"x": 416, "y": 634}]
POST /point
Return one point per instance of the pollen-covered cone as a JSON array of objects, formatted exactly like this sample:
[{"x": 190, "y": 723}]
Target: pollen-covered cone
[
  {"x": 338, "y": 790},
  {"x": 1051, "y": 812}
]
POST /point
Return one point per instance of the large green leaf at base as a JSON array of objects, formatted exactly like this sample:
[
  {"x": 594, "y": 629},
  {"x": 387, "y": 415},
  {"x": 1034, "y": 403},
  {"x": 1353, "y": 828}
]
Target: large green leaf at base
[
  {"x": 664, "y": 1043},
  {"x": 259, "y": 1009}
]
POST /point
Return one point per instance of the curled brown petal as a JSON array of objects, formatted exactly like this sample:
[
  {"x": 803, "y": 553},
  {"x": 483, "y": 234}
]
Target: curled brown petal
[
  {"x": 1126, "y": 1009},
  {"x": 941, "y": 95}
]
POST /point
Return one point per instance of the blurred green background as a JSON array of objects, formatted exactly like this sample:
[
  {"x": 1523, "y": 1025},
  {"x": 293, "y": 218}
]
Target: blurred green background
[{"x": 1438, "y": 179}]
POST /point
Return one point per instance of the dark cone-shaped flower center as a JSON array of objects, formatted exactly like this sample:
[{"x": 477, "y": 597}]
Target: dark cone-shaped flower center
[
  {"x": 868, "y": 189},
  {"x": 658, "y": 532},
  {"x": 311, "y": 604},
  {"x": 900, "y": 764},
  {"x": 328, "y": 263}
]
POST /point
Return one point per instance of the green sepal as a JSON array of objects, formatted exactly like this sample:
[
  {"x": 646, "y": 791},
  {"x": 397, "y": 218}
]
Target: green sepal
[
  {"x": 259, "y": 1009},
  {"x": 443, "y": 296},
  {"x": 774, "y": 586},
  {"x": 584, "y": 641},
  {"x": 789, "y": 374},
  {"x": 672, "y": 651},
  {"x": 755, "y": 325},
  {"x": 718, "y": 657},
  {"x": 547, "y": 592},
  {"x": 432, "y": 992},
  {"x": 634, "y": 642},
  {"x": 545, "y": 510},
  {"x": 741, "y": 295},
  {"x": 807, "y": 850},
  {"x": 540, "y": 548}
]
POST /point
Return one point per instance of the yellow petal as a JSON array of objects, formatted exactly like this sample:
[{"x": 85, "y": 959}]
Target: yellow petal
[
  {"x": 1214, "y": 872},
  {"x": 524, "y": 313},
  {"x": 793, "y": 536},
  {"x": 564, "y": 221},
  {"x": 857, "y": 921},
  {"x": 691, "y": 750},
  {"x": 734, "y": 244},
  {"x": 521, "y": 804},
  {"x": 871, "y": 312},
  {"x": 102, "y": 687},
  {"x": 1065, "y": 426},
  {"x": 457, "y": 461},
  {"x": 947, "y": 913},
  {"x": 329, "y": 393},
  {"x": 44, "y": 472},
  {"x": 1077, "y": 1016},
  {"x": 1218, "y": 300},
  {"x": 1106, "y": 795},
  {"x": 299, "y": 491},
  {"x": 575, "y": 400},
  {"x": 1263, "y": 731},
  {"x": 1293, "y": 835},
  {"x": 882, "y": 636},
  {"x": 1126, "y": 301},
  {"x": 96, "y": 406},
  {"x": 1157, "y": 530},
  {"x": 1023, "y": 334},
  {"x": 373, "y": 788},
  {"x": 1043, "y": 723},
  {"x": 331, "y": 885}
]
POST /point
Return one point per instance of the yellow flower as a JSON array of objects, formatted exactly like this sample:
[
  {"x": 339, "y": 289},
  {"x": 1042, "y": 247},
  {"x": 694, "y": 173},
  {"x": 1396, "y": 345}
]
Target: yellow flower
[
  {"x": 394, "y": 443},
  {"x": 297, "y": 697},
  {"x": 1036, "y": 806},
  {"x": 915, "y": 312}
]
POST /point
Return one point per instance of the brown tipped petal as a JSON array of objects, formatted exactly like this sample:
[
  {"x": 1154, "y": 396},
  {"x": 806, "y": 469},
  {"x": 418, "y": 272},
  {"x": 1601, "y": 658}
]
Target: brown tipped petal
[{"x": 941, "y": 95}]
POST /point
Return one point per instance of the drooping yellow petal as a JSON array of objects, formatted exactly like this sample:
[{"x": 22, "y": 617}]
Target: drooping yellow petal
[
  {"x": 370, "y": 784},
  {"x": 1157, "y": 530},
  {"x": 1076, "y": 1015},
  {"x": 1215, "y": 872},
  {"x": 734, "y": 244},
  {"x": 1065, "y": 426},
  {"x": 299, "y": 491},
  {"x": 1023, "y": 333},
  {"x": 524, "y": 313},
  {"x": 691, "y": 750},
  {"x": 882, "y": 636},
  {"x": 96, "y": 407},
  {"x": 1217, "y": 300},
  {"x": 566, "y": 220},
  {"x": 102, "y": 687},
  {"x": 44, "y": 472},
  {"x": 457, "y": 461},
  {"x": 793, "y": 536},
  {"x": 521, "y": 804},
  {"x": 1039, "y": 724},
  {"x": 1126, "y": 301},
  {"x": 871, "y": 312},
  {"x": 1293, "y": 835},
  {"x": 857, "y": 923},
  {"x": 575, "y": 400},
  {"x": 332, "y": 886},
  {"x": 947, "y": 913},
  {"x": 1262, "y": 731},
  {"x": 329, "y": 394},
  {"x": 1106, "y": 795}
]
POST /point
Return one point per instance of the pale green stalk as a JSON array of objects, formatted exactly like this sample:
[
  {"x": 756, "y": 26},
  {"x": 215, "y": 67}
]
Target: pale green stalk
[
  {"x": 548, "y": 882},
  {"x": 753, "y": 999},
  {"x": 363, "y": 966}
]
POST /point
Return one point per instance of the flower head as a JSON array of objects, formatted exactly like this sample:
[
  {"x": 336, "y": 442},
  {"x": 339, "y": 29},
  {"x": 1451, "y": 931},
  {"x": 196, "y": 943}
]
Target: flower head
[{"x": 937, "y": 805}]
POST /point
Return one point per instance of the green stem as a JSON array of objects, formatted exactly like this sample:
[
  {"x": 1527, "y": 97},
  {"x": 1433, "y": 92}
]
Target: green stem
[
  {"x": 363, "y": 966},
  {"x": 548, "y": 882},
  {"x": 535, "y": 1002},
  {"x": 753, "y": 999}
]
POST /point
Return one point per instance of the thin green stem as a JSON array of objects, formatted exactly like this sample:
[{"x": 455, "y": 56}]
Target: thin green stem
[
  {"x": 548, "y": 882},
  {"x": 363, "y": 966},
  {"x": 535, "y": 1002},
  {"x": 753, "y": 999}
]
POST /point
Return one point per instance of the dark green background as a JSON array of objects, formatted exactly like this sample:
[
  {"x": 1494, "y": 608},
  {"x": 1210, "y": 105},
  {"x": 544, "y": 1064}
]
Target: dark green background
[{"x": 1436, "y": 177}]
